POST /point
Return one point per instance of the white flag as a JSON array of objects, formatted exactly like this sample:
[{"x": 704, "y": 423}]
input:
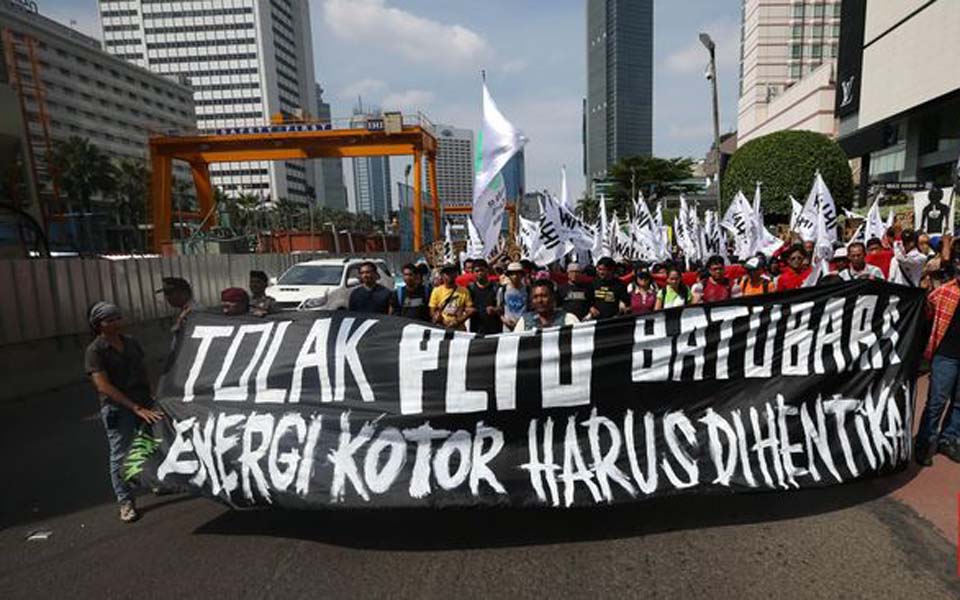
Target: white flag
[
  {"x": 874, "y": 226},
  {"x": 498, "y": 142},
  {"x": 797, "y": 210},
  {"x": 474, "y": 241},
  {"x": 551, "y": 233},
  {"x": 449, "y": 255},
  {"x": 819, "y": 200},
  {"x": 740, "y": 221},
  {"x": 764, "y": 241},
  {"x": 601, "y": 243},
  {"x": 564, "y": 194}
]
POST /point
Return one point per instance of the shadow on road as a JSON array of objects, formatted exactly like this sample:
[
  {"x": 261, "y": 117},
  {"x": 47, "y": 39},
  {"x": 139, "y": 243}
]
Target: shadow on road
[{"x": 463, "y": 528}]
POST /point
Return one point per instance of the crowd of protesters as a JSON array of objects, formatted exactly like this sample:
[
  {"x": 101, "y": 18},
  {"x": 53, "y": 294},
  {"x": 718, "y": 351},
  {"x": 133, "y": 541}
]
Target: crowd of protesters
[{"x": 502, "y": 296}]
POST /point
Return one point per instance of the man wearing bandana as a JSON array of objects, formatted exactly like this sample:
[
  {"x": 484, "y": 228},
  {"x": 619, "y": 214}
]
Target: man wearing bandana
[{"x": 114, "y": 363}]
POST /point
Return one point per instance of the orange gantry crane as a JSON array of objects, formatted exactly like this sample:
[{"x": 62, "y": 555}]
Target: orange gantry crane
[{"x": 289, "y": 141}]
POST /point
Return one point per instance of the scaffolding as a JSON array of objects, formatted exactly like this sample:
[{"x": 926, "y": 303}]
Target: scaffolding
[{"x": 23, "y": 72}]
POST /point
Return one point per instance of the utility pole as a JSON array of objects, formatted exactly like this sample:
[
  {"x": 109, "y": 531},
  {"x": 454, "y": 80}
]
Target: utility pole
[{"x": 712, "y": 76}]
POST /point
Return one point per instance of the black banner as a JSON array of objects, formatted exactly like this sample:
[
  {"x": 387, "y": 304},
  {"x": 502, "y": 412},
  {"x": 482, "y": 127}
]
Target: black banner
[{"x": 307, "y": 410}]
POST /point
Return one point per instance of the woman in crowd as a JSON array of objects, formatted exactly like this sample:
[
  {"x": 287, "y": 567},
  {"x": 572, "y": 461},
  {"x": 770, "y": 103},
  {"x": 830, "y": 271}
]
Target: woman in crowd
[
  {"x": 676, "y": 293},
  {"x": 643, "y": 295}
]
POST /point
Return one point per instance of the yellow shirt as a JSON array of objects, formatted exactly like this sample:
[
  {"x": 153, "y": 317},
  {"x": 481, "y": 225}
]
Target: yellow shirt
[{"x": 454, "y": 302}]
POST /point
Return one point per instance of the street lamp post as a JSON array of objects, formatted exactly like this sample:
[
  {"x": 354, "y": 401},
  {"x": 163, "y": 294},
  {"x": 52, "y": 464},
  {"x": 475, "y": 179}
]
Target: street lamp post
[
  {"x": 336, "y": 237},
  {"x": 712, "y": 76}
]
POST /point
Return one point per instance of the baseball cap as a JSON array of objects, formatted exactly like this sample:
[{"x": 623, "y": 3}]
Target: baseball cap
[
  {"x": 840, "y": 252},
  {"x": 174, "y": 284},
  {"x": 514, "y": 267},
  {"x": 752, "y": 264}
]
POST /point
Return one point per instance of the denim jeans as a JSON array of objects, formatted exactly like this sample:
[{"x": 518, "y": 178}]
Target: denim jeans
[
  {"x": 121, "y": 426},
  {"x": 942, "y": 395}
]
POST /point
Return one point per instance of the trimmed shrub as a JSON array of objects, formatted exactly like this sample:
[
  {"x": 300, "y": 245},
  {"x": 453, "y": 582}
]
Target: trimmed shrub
[{"x": 785, "y": 163}]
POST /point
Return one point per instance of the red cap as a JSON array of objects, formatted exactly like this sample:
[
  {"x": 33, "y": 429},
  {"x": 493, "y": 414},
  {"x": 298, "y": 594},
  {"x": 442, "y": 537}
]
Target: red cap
[{"x": 234, "y": 295}]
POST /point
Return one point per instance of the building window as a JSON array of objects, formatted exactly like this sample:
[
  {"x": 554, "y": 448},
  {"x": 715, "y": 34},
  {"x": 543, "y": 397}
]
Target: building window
[
  {"x": 816, "y": 51},
  {"x": 835, "y": 30},
  {"x": 798, "y": 11},
  {"x": 836, "y": 10},
  {"x": 797, "y": 31},
  {"x": 832, "y": 50},
  {"x": 816, "y": 31},
  {"x": 796, "y": 51},
  {"x": 818, "y": 11},
  {"x": 795, "y": 71}
]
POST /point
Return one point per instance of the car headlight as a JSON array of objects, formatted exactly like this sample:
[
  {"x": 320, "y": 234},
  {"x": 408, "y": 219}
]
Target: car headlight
[{"x": 313, "y": 303}]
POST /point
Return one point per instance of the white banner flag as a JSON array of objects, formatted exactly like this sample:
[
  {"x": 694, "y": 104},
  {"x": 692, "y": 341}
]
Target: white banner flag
[{"x": 498, "y": 142}]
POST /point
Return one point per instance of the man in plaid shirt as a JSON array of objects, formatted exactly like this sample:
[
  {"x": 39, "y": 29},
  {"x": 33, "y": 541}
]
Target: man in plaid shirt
[{"x": 943, "y": 352}]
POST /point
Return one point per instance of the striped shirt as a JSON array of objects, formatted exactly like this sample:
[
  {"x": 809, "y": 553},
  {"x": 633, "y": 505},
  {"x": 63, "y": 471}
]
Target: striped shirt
[{"x": 941, "y": 304}]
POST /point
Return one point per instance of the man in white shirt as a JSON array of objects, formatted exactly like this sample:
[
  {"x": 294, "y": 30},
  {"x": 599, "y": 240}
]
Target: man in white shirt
[
  {"x": 858, "y": 268},
  {"x": 906, "y": 268}
]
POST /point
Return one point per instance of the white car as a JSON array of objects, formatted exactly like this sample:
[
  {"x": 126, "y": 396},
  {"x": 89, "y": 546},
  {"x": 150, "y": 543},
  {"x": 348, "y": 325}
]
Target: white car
[{"x": 323, "y": 284}]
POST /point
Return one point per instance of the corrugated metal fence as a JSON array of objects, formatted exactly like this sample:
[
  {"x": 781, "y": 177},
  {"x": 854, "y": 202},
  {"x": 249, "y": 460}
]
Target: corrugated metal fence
[{"x": 46, "y": 298}]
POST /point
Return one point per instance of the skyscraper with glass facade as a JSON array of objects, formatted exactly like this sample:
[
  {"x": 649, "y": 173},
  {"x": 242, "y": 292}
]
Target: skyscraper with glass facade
[{"x": 619, "y": 106}]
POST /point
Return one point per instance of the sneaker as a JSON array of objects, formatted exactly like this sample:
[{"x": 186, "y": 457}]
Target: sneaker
[
  {"x": 950, "y": 449},
  {"x": 128, "y": 512}
]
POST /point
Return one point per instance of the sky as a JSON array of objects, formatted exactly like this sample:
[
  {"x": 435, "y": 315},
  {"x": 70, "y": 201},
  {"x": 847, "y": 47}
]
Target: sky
[{"x": 426, "y": 55}]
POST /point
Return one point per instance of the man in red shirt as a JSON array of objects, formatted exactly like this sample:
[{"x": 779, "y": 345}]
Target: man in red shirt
[
  {"x": 716, "y": 287},
  {"x": 793, "y": 276}
]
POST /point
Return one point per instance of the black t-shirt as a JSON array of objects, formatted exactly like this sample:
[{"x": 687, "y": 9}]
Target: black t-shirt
[
  {"x": 482, "y": 297},
  {"x": 577, "y": 299},
  {"x": 412, "y": 303},
  {"x": 373, "y": 300},
  {"x": 607, "y": 296},
  {"x": 125, "y": 370},
  {"x": 950, "y": 344}
]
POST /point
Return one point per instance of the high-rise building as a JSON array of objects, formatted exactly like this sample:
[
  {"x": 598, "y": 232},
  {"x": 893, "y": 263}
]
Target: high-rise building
[
  {"x": 788, "y": 52},
  {"x": 371, "y": 175},
  {"x": 899, "y": 91},
  {"x": 82, "y": 92},
  {"x": 331, "y": 169},
  {"x": 619, "y": 106},
  {"x": 454, "y": 166},
  {"x": 246, "y": 60}
]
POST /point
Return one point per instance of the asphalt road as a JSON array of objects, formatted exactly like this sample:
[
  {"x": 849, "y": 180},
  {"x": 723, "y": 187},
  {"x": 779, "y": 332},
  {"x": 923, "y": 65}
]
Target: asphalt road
[{"x": 848, "y": 541}]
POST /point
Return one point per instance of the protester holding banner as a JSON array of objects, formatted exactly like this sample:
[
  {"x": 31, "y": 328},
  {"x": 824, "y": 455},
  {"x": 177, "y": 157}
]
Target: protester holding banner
[
  {"x": 260, "y": 303},
  {"x": 943, "y": 352},
  {"x": 412, "y": 299},
  {"x": 370, "y": 296},
  {"x": 716, "y": 287},
  {"x": 513, "y": 296},
  {"x": 449, "y": 302},
  {"x": 234, "y": 302},
  {"x": 577, "y": 295},
  {"x": 858, "y": 267},
  {"x": 675, "y": 293},
  {"x": 610, "y": 296},
  {"x": 643, "y": 294},
  {"x": 545, "y": 312},
  {"x": 178, "y": 294},
  {"x": 114, "y": 362},
  {"x": 484, "y": 314}
]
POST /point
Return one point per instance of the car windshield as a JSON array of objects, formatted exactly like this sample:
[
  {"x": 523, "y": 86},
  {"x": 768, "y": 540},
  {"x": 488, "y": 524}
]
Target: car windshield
[{"x": 311, "y": 275}]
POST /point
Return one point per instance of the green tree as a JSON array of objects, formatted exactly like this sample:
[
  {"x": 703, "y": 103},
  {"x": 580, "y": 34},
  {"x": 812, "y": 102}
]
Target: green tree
[
  {"x": 84, "y": 171},
  {"x": 785, "y": 163},
  {"x": 588, "y": 207},
  {"x": 648, "y": 174},
  {"x": 131, "y": 190}
]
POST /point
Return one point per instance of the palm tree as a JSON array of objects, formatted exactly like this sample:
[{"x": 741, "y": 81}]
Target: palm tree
[
  {"x": 84, "y": 171},
  {"x": 130, "y": 194}
]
